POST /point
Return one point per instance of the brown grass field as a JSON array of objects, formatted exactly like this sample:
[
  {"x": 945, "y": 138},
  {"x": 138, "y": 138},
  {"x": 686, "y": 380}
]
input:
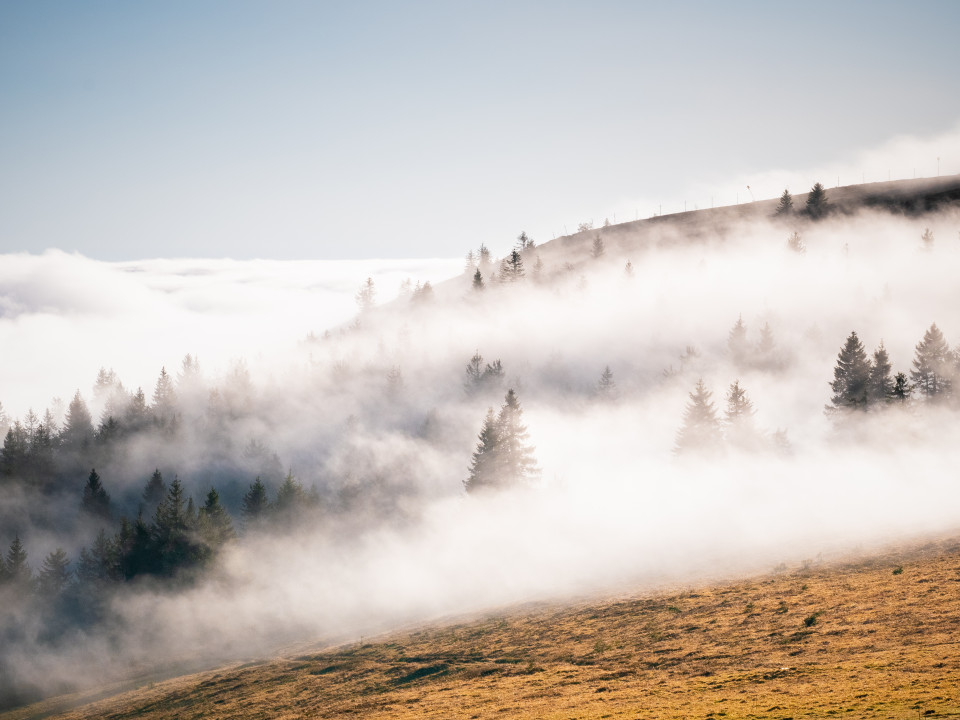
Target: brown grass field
[{"x": 875, "y": 637}]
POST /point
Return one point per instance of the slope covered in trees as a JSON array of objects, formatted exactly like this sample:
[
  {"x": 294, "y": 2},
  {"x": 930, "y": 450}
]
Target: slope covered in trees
[{"x": 528, "y": 429}]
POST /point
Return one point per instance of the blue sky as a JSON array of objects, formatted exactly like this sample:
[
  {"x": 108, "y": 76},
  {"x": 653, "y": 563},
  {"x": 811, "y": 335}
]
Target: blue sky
[{"x": 373, "y": 129}]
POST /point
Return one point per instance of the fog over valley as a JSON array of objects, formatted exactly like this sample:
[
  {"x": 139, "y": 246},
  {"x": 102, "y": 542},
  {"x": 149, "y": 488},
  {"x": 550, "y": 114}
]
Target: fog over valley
[{"x": 335, "y": 449}]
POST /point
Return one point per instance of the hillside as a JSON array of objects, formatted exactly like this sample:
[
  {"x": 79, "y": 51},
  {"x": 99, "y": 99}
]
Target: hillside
[{"x": 870, "y": 637}]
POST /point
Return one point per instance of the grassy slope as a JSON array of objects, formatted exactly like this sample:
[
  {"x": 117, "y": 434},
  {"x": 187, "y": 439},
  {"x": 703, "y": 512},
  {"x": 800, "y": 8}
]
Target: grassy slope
[{"x": 882, "y": 645}]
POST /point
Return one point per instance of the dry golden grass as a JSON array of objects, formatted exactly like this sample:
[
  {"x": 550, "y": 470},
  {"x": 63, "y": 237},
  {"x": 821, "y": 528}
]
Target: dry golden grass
[{"x": 855, "y": 640}]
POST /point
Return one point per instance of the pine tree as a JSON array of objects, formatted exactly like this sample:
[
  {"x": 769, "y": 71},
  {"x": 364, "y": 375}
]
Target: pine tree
[
  {"x": 474, "y": 374},
  {"x": 880, "y": 384},
  {"x": 766, "y": 347},
  {"x": 817, "y": 202},
  {"x": 366, "y": 296},
  {"x": 154, "y": 491},
  {"x": 738, "y": 418},
  {"x": 17, "y": 572},
  {"x": 214, "y": 523},
  {"x": 851, "y": 377},
  {"x": 483, "y": 464},
  {"x": 477, "y": 285},
  {"x": 931, "y": 365},
  {"x": 54, "y": 574},
  {"x": 15, "y": 454},
  {"x": 700, "y": 432},
  {"x": 524, "y": 242},
  {"x": 96, "y": 501},
  {"x": 607, "y": 387},
  {"x": 901, "y": 388},
  {"x": 470, "y": 263},
  {"x": 515, "y": 461},
  {"x": 786, "y": 204},
  {"x": 795, "y": 243},
  {"x": 737, "y": 343},
  {"x": 255, "y": 504},
  {"x": 511, "y": 269},
  {"x": 538, "y": 270},
  {"x": 598, "y": 250},
  {"x": 171, "y": 531},
  {"x": 164, "y": 400},
  {"x": 78, "y": 424},
  {"x": 290, "y": 497}
]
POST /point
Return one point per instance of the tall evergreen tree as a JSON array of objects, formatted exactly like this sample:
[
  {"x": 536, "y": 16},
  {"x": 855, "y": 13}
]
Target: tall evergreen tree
[
  {"x": 511, "y": 269},
  {"x": 483, "y": 464},
  {"x": 17, "y": 572},
  {"x": 96, "y": 501},
  {"x": 515, "y": 454},
  {"x": 880, "y": 384},
  {"x": 255, "y": 505},
  {"x": 477, "y": 285},
  {"x": 607, "y": 386},
  {"x": 214, "y": 523},
  {"x": 474, "y": 374},
  {"x": 598, "y": 250},
  {"x": 851, "y": 377},
  {"x": 932, "y": 365},
  {"x": 290, "y": 496},
  {"x": 15, "y": 454},
  {"x": 154, "y": 492},
  {"x": 785, "y": 207},
  {"x": 901, "y": 388},
  {"x": 700, "y": 433},
  {"x": 738, "y": 418},
  {"x": 817, "y": 202},
  {"x": 366, "y": 296},
  {"x": 164, "y": 399},
  {"x": 737, "y": 343},
  {"x": 78, "y": 424},
  {"x": 54, "y": 574}
]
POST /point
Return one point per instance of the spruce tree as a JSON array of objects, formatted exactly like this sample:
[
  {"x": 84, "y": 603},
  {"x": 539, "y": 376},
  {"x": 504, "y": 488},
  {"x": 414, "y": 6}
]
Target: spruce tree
[
  {"x": 477, "y": 285},
  {"x": 901, "y": 388},
  {"x": 154, "y": 491},
  {"x": 164, "y": 400},
  {"x": 700, "y": 433},
  {"x": 17, "y": 572},
  {"x": 785, "y": 207},
  {"x": 817, "y": 202},
  {"x": 96, "y": 501},
  {"x": 214, "y": 523},
  {"x": 851, "y": 377},
  {"x": 511, "y": 269},
  {"x": 54, "y": 574},
  {"x": 78, "y": 424},
  {"x": 880, "y": 384},
  {"x": 931, "y": 365},
  {"x": 366, "y": 296},
  {"x": 598, "y": 249},
  {"x": 255, "y": 505},
  {"x": 515, "y": 461},
  {"x": 483, "y": 463},
  {"x": 290, "y": 496},
  {"x": 738, "y": 418},
  {"x": 737, "y": 343},
  {"x": 474, "y": 374},
  {"x": 607, "y": 386}
]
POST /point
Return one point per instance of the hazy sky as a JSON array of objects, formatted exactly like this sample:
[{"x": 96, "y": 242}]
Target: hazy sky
[{"x": 377, "y": 129}]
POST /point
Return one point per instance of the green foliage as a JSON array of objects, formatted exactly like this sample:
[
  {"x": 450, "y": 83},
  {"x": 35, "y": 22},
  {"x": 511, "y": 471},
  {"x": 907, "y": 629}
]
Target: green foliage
[
  {"x": 255, "y": 505},
  {"x": 898, "y": 570}
]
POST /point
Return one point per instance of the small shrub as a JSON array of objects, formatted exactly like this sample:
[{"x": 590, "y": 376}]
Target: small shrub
[
  {"x": 811, "y": 620},
  {"x": 898, "y": 570}
]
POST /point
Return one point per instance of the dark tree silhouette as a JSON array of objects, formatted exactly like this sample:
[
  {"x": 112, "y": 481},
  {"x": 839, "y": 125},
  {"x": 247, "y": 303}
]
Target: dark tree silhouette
[
  {"x": 851, "y": 377},
  {"x": 477, "y": 281},
  {"x": 78, "y": 425},
  {"x": 817, "y": 202},
  {"x": 54, "y": 574},
  {"x": 255, "y": 505},
  {"x": 96, "y": 501},
  {"x": 785, "y": 207},
  {"x": 880, "y": 385},
  {"x": 483, "y": 464},
  {"x": 511, "y": 269}
]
